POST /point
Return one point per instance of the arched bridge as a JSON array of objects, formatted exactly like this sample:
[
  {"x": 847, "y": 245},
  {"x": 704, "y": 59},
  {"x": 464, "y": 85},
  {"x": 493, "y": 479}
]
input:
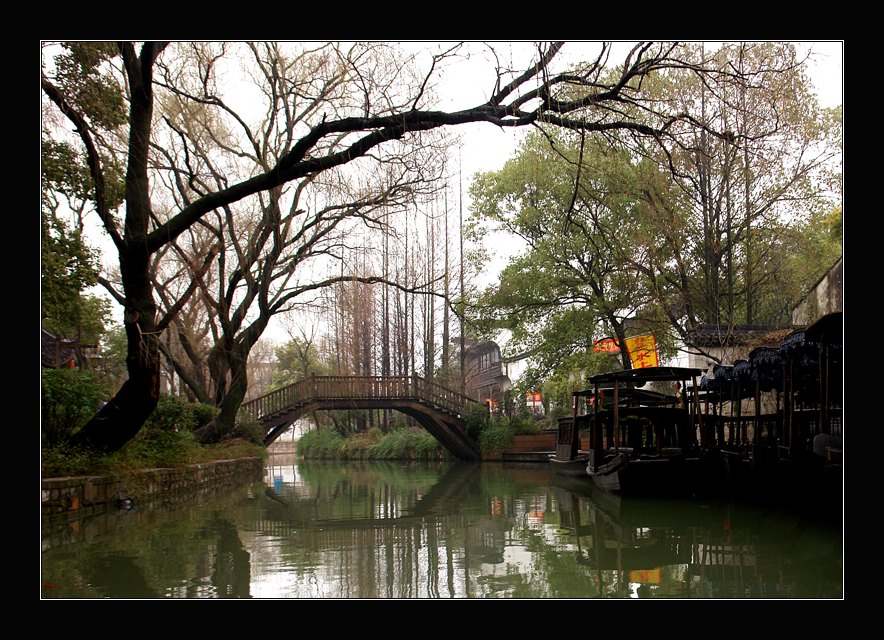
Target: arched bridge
[{"x": 437, "y": 408}]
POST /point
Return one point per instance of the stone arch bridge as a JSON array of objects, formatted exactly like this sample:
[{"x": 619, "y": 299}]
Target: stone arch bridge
[{"x": 435, "y": 407}]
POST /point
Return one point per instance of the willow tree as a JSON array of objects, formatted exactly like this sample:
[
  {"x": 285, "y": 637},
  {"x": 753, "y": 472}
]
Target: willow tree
[{"x": 584, "y": 97}]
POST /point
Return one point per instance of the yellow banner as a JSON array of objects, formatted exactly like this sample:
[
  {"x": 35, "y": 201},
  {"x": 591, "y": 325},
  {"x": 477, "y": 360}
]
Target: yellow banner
[
  {"x": 647, "y": 576},
  {"x": 642, "y": 351}
]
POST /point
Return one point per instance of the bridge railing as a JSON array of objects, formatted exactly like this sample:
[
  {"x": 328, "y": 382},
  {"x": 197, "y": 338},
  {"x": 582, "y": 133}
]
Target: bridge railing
[{"x": 354, "y": 388}]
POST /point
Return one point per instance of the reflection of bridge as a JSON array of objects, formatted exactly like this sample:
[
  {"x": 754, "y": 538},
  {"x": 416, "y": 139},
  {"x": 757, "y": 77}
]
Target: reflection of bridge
[{"x": 437, "y": 408}]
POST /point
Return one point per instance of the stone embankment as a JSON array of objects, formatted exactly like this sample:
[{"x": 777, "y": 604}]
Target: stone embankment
[{"x": 86, "y": 495}]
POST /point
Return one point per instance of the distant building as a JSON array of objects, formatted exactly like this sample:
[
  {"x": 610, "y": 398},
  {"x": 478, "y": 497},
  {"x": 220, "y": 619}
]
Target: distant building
[
  {"x": 484, "y": 373},
  {"x": 59, "y": 353}
]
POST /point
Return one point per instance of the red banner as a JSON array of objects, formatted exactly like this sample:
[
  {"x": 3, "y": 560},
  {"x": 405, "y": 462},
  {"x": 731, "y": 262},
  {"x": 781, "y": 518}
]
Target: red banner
[{"x": 606, "y": 345}]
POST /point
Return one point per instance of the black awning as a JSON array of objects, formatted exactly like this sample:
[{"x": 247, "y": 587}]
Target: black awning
[{"x": 646, "y": 374}]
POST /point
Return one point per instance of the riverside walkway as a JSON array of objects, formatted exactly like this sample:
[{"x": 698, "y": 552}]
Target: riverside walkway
[{"x": 435, "y": 407}]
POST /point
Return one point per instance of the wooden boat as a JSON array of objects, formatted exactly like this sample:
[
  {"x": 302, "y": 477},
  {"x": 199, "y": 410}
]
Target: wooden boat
[
  {"x": 573, "y": 467},
  {"x": 647, "y": 443},
  {"x": 568, "y": 459}
]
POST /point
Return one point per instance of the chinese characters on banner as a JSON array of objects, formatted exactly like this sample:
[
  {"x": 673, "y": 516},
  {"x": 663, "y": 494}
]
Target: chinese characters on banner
[
  {"x": 606, "y": 345},
  {"x": 642, "y": 349}
]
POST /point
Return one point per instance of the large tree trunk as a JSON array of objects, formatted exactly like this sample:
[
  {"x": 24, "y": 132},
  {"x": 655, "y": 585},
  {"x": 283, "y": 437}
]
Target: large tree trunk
[
  {"x": 125, "y": 414},
  {"x": 236, "y": 361}
]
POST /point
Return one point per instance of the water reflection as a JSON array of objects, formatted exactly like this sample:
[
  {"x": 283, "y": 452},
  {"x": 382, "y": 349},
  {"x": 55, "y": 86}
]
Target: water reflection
[{"x": 392, "y": 530}]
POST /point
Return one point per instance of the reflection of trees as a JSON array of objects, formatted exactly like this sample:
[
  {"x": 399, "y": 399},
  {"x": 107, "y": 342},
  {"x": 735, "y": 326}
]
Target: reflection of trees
[
  {"x": 700, "y": 553},
  {"x": 231, "y": 575},
  {"x": 117, "y": 576},
  {"x": 349, "y": 532},
  {"x": 187, "y": 550}
]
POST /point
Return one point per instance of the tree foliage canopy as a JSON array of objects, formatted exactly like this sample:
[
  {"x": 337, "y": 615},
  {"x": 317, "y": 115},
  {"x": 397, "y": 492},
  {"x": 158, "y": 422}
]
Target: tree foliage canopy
[
  {"x": 223, "y": 208},
  {"x": 622, "y": 239}
]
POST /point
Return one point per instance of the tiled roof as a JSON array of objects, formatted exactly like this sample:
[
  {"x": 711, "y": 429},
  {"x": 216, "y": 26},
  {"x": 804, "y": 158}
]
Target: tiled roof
[
  {"x": 711, "y": 335},
  {"x": 56, "y": 352}
]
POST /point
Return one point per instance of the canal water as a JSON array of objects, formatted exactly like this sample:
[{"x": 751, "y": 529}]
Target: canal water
[{"x": 390, "y": 530}]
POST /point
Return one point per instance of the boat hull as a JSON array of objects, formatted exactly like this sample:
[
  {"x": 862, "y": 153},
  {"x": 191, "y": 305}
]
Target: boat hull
[
  {"x": 575, "y": 467},
  {"x": 652, "y": 475}
]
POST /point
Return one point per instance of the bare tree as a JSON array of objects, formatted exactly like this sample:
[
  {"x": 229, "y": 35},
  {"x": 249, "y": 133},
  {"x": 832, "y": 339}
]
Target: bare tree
[{"x": 352, "y": 129}]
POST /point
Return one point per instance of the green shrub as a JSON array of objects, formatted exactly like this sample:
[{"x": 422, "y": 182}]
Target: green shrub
[
  {"x": 400, "y": 443},
  {"x": 476, "y": 418},
  {"x": 156, "y": 446},
  {"x": 203, "y": 414},
  {"x": 170, "y": 414},
  {"x": 426, "y": 447},
  {"x": 250, "y": 431},
  {"x": 321, "y": 443},
  {"x": 60, "y": 460},
  {"x": 167, "y": 439},
  {"x": 395, "y": 445},
  {"x": 524, "y": 425},
  {"x": 496, "y": 437},
  {"x": 68, "y": 399}
]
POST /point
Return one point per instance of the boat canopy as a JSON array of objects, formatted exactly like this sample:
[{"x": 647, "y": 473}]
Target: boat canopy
[
  {"x": 627, "y": 395},
  {"x": 646, "y": 374}
]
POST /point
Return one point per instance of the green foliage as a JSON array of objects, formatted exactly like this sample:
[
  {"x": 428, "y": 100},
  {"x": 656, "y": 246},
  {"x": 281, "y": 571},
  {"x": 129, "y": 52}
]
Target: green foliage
[
  {"x": 297, "y": 359},
  {"x": 64, "y": 170},
  {"x": 522, "y": 424},
  {"x": 112, "y": 366},
  {"x": 156, "y": 446},
  {"x": 576, "y": 274},
  {"x": 203, "y": 414},
  {"x": 249, "y": 431},
  {"x": 173, "y": 414},
  {"x": 321, "y": 443},
  {"x": 61, "y": 459},
  {"x": 496, "y": 437},
  {"x": 81, "y": 73},
  {"x": 405, "y": 444},
  {"x": 400, "y": 443},
  {"x": 476, "y": 418},
  {"x": 67, "y": 268},
  {"x": 69, "y": 398},
  {"x": 166, "y": 440}
]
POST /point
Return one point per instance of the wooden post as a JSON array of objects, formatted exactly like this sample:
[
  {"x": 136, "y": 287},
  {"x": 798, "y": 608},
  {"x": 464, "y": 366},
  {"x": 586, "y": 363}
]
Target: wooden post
[
  {"x": 824, "y": 387},
  {"x": 616, "y": 417},
  {"x": 788, "y": 404},
  {"x": 699, "y": 413},
  {"x": 756, "y": 437},
  {"x": 595, "y": 431},
  {"x": 572, "y": 434}
]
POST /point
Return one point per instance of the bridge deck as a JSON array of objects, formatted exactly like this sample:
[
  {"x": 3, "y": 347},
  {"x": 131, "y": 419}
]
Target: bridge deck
[{"x": 436, "y": 407}]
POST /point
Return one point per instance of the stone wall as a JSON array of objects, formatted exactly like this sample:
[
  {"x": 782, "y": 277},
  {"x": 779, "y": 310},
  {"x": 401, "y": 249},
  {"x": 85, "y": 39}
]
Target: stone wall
[
  {"x": 86, "y": 495},
  {"x": 823, "y": 299}
]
